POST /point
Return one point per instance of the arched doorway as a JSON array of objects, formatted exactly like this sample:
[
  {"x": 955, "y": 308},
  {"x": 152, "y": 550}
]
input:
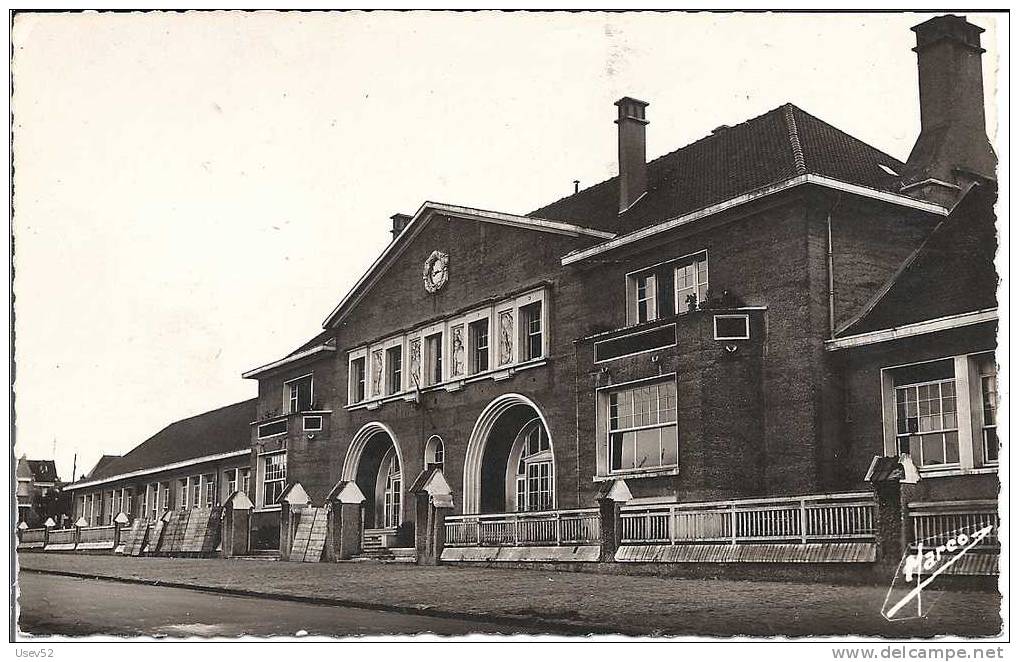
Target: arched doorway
[
  {"x": 510, "y": 463},
  {"x": 375, "y": 463}
]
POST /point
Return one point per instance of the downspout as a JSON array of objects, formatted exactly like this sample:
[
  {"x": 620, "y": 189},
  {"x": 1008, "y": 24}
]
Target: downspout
[{"x": 831, "y": 272}]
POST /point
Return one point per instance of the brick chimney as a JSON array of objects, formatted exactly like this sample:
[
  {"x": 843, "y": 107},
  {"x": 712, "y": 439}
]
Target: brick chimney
[
  {"x": 952, "y": 148},
  {"x": 400, "y": 221},
  {"x": 632, "y": 151}
]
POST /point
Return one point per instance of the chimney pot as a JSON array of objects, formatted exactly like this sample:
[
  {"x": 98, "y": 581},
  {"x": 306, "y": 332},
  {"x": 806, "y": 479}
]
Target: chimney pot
[
  {"x": 400, "y": 221},
  {"x": 632, "y": 124}
]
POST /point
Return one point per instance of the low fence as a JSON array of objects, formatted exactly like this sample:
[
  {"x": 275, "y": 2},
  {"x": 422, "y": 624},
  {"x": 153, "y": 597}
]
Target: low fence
[
  {"x": 803, "y": 519},
  {"x": 32, "y": 536},
  {"x": 98, "y": 534},
  {"x": 61, "y": 537},
  {"x": 553, "y": 527},
  {"x": 935, "y": 522}
]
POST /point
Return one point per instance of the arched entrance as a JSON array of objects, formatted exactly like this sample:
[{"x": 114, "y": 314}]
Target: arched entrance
[
  {"x": 375, "y": 463},
  {"x": 510, "y": 463}
]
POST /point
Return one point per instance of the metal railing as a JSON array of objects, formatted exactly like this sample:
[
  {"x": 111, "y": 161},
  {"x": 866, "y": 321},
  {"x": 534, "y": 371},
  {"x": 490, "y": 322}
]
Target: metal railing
[
  {"x": 98, "y": 534},
  {"x": 798, "y": 519},
  {"x": 935, "y": 522},
  {"x": 33, "y": 535},
  {"x": 552, "y": 527},
  {"x": 61, "y": 537}
]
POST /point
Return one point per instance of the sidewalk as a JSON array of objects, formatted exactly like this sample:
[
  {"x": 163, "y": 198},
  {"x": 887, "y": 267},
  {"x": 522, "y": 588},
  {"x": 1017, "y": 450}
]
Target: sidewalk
[{"x": 595, "y": 602}]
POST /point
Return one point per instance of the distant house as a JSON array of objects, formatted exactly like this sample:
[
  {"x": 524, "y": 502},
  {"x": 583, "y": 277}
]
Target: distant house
[{"x": 39, "y": 491}]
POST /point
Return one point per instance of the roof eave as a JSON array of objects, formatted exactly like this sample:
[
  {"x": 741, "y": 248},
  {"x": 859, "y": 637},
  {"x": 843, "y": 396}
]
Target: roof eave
[
  {"x": 746, "y": 198},
  {"x": 287, "y": 361},
  {"x": 157, "y": 469}
]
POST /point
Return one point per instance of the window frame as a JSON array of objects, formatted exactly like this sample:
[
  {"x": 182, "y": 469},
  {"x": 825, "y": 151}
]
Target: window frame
[
  {"x": 393, "y": 366},
  {"x": 655, "y": 271},
  {"x": 942, "y": 431},
  {"x": 279, "y": 478},
  {"x": 433, "y": 366},
  {"x": 474, "y": 349},
  {"x": 292, "y": 398},
  {"x": 605, "y": 426}
]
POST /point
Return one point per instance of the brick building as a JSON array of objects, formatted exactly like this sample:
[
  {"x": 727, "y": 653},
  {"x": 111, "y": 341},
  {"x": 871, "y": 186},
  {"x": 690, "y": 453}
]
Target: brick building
[
  {"x": 38, "y": 491},
  {"x": 686, "y": 325},
  {"x": 759, "y": 313}
]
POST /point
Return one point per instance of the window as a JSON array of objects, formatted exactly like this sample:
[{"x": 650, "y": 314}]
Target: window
[
  {"x": 926, "y": 425},
  {"x": 646, "y": 309},
  {"x": 231, "y": 481},
  {"x": 196, "y": 492},
  {"x": 245, "y": 480},
  {"x": 146, "y": 500},
  {"x": 530, "y": 325},
  {"x": 299, "y": 393},
  {"x": 691, "y": 283},
  {"x": 478, "y": 338},
  {"x": 152, "y": 496},
  {"x": 434, "y": 451},
  {"x": 274, "y": 478},
  {"x": 116, "y": 504},
  {"x": 394, "y": 374},
  {"x": 989, "y": 411},
  {"x": 433, "y": 359},
  {"x": 182, "y": 493},
  {"x": 357, "y": 373},
  {"x": 534, "y": 469},
  {"x": 391, "y": 498},
  {"x": 164, "y": 503},
  {"x": 209, "y": 487},
  {"x": 126, "y": 500},
  {"x": 666, "y": 289},
  {"x": 642, "y": 427}
]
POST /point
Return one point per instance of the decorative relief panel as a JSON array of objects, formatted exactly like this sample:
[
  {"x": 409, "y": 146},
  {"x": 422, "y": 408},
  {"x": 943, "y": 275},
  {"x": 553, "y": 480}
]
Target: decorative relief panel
[
  {"x": 458, "y": 355},
  {"x": 415, "y": 362},
  {"x": 505, "y": 337},
  {"x": 377, "y": 372}
]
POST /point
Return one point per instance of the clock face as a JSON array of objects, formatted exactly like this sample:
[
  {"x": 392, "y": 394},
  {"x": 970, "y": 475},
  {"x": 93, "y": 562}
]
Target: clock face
[{"x": 436, "y": 272}]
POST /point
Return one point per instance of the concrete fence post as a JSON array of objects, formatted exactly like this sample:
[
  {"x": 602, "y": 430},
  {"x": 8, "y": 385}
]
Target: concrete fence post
[
  {"x": 22, "y": 527},
  {"x": 293, "y": 500},
  {"x": 344, "y": 526},
  {"x": 120, "y": 522},
  {"x": 886, "y": 476},
  {"x": 236, "y": 525},
  {"x": 48, "y": 526},
  {"x": 611, "y": 498},
  {"x": 433, "y": 500},
  {"x": 78, "y": 526}
]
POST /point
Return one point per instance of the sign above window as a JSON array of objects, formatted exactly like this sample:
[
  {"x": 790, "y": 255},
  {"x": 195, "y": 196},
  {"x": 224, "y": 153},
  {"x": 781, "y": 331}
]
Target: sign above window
[{"x": 732, "y": 327}]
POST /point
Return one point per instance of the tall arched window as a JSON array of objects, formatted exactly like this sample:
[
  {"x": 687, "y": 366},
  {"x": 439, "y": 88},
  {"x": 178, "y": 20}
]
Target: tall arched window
[
  {"x": 534, "y": 469},
  {"x": 391, "y": 498},
  {"x": 434, "y": 451}
]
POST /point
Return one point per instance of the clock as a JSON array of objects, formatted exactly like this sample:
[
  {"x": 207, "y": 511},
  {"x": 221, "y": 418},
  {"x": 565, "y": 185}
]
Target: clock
[{"x": 436, "y": 272}]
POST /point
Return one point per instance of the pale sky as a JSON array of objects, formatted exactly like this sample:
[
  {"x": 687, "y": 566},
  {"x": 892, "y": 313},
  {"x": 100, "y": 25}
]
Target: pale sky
[{"x": 195, "y": 192}]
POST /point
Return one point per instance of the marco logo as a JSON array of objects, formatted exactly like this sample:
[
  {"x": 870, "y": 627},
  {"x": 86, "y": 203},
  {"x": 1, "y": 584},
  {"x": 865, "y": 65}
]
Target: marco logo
[{"x": 926, "y": 565}]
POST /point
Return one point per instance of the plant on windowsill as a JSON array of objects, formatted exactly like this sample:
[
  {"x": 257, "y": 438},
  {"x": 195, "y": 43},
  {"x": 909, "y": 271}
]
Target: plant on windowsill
[{"x": 714, "y": 300}]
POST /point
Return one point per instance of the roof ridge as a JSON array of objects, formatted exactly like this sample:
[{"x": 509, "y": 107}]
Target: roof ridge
[
  {"x": 794, "y": 139},
  {"x": 846, "y": 133}
]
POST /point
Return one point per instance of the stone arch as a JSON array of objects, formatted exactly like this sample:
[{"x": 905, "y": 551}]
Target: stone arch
[
  {"x": 476, "y": 445},
  {"x": 361, "y": 441}
]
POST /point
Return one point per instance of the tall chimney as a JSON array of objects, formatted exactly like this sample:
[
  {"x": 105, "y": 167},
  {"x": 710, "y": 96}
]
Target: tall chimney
[
  {"x": 952, "y": 148},
  {"x": 632, "y": 151}
]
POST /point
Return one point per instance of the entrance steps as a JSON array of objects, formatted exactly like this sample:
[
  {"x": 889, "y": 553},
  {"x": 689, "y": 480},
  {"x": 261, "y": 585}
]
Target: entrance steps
[{"x": 260, "y": 555}]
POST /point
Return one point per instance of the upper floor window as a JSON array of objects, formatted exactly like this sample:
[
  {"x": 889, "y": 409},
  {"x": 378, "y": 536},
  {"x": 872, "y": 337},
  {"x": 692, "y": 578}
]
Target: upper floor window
[
  {"x": 530, "y": 327},
  {"x": 245, "y": 485},
  {"x": 433, "y": 359},
  {"x": 299, "y": 393},
  {"x": 394, "y": 375},
  {"x": 357, "y": 374},
  {"x": 274, "y": 477},
  {"x": 642, "y": 432},
  {"x": 666, "y": 289},
  {"x": 478, "y": 338}
]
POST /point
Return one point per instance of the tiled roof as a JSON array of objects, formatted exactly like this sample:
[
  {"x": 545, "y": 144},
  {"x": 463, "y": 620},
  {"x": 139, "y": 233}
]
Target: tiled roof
[
  {"x": 43, "y": 471},
  {"x": 319, "y": 339},
  {"x": 951, "y": 273},
  {"x": 219, "y": 431},
  {"x": 776, "y": 146},
  {"x": 100, "y": 466}
]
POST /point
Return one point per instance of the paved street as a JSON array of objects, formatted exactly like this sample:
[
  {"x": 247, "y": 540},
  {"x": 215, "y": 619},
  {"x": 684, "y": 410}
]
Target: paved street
[
  {"x": 587, "y": 601},
  {"x": 69, "y": 606}
]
